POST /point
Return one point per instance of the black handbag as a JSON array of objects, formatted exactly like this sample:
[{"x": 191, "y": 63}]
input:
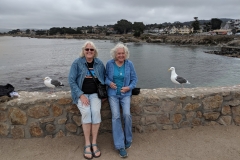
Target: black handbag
[
  {"x": 135, "y": 91},
  {"x": 101, "y": 88},
  {"x": 6, "y": 90}
]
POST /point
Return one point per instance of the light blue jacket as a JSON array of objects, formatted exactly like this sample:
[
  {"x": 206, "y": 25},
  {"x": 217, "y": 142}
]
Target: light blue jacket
[
  {"x": 78, "y": 72},
  {"x": 130, "y": 77}
]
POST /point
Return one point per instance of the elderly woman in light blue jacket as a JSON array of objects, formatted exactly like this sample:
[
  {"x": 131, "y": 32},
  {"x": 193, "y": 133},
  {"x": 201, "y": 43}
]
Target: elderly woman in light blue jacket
[
  {"x": 121, "y": 78},
  {"x": 84, "y": 95}
]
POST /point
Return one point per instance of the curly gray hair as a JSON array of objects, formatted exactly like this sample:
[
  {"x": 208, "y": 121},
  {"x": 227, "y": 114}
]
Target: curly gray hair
[
  {"x": 84, "y": 46},
  {"x": 113, "y": 51}
]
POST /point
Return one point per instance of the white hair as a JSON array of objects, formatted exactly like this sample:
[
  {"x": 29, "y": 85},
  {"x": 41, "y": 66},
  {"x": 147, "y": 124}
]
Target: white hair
[
  {"x": 84, "y": 46},
  {"x": 113, "y": 51}
]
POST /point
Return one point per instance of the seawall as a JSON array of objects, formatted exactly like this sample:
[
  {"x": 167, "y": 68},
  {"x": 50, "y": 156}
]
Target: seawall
[{"x": 39, "y": 114}]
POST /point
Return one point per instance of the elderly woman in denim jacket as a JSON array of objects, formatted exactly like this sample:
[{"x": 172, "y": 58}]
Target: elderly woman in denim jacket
[
  {"x": 84, "y": 95},
  {"x": 121, "y": 78}
]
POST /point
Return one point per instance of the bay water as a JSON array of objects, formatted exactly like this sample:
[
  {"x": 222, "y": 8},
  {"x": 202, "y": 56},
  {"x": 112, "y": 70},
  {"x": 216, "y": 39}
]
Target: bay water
[{"x": 24, "y": 62}]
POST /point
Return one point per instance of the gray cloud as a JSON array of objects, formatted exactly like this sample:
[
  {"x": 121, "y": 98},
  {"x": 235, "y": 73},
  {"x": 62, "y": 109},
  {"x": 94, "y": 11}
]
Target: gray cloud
[{"x": 73, "y": 13}]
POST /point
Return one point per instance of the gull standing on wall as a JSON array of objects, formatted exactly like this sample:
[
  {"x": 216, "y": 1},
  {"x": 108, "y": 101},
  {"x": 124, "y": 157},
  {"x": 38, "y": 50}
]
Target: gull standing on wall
[
  {"x": 177, "y": 79},
  {"x": 52, "y": 83}
]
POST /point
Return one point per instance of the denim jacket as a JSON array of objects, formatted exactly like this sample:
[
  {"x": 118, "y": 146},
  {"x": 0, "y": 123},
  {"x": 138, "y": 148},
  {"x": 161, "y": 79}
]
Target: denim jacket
[
  {"x": 78, "y": 72},
  {"x": 130, "y": 77}
]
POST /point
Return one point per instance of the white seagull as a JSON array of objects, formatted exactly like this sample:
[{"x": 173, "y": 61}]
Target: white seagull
[
  {"x": 52, "y": 83},
  {"x": 177, "y": 79}
]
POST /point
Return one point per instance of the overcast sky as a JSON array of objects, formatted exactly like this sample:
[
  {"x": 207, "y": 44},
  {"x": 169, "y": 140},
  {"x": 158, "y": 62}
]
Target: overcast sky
[{"x": 44, "y": 14}]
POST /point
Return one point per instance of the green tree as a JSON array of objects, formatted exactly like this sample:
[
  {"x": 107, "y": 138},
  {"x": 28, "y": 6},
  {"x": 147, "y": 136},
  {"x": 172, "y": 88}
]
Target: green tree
[
  {"x": 216, "y": 23},
  {"x": 123, "y": 26},
  {"x": 138, "y": 28},
  {"x": 41, "y": 32},
  {"x": 28, "y": 31},
  {"x": 207, "y": 27},
  {"x": 79, "y": 30},
  {"x": 177, "y": 24},
  {"x": 69, "y": 30},
  {"x": 15, "y": 31},
  {"x": 159, "y": 26},
  {"x": 54, "y": 30},
  {"x": 195, "y": 25}
]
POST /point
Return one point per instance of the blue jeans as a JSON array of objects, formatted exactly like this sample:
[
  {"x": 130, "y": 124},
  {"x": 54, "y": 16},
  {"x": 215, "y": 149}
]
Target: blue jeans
[
  {"x": 90, "y": 113},
  {"x": 120, "y": 137}
]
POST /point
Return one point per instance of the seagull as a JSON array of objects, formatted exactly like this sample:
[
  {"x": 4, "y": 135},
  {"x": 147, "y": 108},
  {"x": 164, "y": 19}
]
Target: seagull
[
  {"x": 177, "y": 79},
  {"x": 52, "y": 83}
]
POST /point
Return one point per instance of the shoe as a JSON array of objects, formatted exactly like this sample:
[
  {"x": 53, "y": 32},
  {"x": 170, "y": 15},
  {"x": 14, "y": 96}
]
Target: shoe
[
  {"x": 123, "y": 153},
  {"x": 95, "y": 151},
  {"x": 128, "y": 145},
  {"x": 85, "y": 152}
]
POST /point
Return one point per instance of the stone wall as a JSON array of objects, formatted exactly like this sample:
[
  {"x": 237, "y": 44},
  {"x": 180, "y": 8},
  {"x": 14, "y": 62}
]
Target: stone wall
[{"x": 39, "y": 114}]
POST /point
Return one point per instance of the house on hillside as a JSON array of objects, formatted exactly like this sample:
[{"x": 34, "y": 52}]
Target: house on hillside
[
  {"x": 173, "y": 30},
  {"x": 237, "y": 23},
  {"x": 232, "y": 24},
  {"x": 84, "y": 31},
  {"x": 111, "y": 30},
  {"x": 185, "y": 30},
  {"x": 96, "y": 29},
  {"x": 152, "y": 30},
  {"x": 228, "y": 25},
  {"x": 166, "y": 30}
]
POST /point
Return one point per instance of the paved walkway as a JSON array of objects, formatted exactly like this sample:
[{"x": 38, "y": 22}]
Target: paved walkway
[{"x": 198, "y": 143}]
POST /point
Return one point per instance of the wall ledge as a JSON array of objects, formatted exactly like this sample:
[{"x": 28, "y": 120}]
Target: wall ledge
[{"x": 39, "y": 114}]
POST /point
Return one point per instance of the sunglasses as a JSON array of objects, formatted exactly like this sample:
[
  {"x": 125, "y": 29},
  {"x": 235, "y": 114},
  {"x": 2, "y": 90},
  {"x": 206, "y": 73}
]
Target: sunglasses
[{"x": 87, "y": 49}]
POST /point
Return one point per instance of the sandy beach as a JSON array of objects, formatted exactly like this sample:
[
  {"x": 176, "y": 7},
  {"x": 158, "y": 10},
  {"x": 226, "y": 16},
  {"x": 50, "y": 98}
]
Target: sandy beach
[{"x": 198, "y": 143}]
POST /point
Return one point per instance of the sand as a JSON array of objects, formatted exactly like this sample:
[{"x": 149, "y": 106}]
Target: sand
[{"x": 198, "y": 143}]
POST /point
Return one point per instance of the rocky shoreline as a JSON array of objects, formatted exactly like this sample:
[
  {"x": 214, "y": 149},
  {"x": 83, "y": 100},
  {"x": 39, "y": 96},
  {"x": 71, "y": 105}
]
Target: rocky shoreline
[
  {"x": 172, "y": 39},
  {"x": 209, "y": 40},
  {"x": 230, "y": 49}
]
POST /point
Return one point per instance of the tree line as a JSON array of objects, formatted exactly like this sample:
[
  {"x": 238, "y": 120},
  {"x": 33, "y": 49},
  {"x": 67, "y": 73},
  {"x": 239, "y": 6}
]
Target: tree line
[
  {"x": 123, "y": 26},
  {"x": 215, "y": 23}
]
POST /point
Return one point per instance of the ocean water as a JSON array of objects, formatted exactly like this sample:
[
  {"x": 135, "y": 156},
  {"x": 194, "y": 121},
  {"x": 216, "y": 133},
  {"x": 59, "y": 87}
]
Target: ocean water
[{"x": 24, "y": 62}]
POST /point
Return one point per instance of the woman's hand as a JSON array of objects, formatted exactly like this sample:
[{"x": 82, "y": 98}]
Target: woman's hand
[
  {"x": 84, "y": 100},
  {"x": 113, "y": 85},
  {"x": 125, "y": 89}
]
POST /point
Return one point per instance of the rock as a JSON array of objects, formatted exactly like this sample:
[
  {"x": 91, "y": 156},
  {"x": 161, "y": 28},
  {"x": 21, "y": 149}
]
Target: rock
[
  {"x": 167, "y": 127},
  {"x": 225, "y": 120},
  {"x": 62, "y": 121},
  {"x": 211, "y": 116},
  {"x": 17, "y": 132},
  {"x": 3, "y": 117},
  {"x": 226, "y": 110},
  {"x": 71, "y": 127},
  {"x": 163, "y": 119},
  {"x": 38, "y": 112},
  {"x": 150, "y": 119},
  {"x": 57, "y": 111},
  {"x": 77, "y": 120},
  {"x": 35, "y": 130},
  {"x": 191, "y": 107},
  {"x": 212, "y": 102},
  {"x": 4, "y": 129},
  {"x": 177, "y": 118},
  {"x": 17, "y": 116},
  {"x": 234, "y": 43},
  {"x": 151, "y": 128},
  {"x": 50, "y": 128},
  {"x": 64, "y": 101},
  {"x": 73, "y": 109},
  {"x": 60, "y": 134}
]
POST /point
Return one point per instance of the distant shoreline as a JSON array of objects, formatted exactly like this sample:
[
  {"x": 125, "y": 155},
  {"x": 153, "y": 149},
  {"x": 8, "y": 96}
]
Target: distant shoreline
[{"x": 168, "y": 39}]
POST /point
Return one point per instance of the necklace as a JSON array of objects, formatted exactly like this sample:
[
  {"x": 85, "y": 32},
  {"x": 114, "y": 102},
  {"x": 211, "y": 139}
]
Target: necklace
[{"x": 120, "y": 70}]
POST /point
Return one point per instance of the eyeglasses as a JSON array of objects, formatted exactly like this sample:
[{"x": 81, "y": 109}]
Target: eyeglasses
[{"x": 87, "y": 49}]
